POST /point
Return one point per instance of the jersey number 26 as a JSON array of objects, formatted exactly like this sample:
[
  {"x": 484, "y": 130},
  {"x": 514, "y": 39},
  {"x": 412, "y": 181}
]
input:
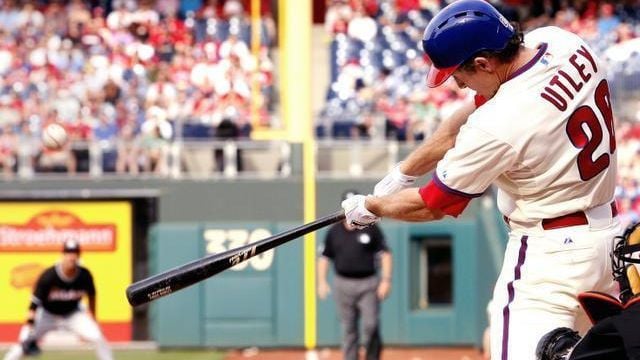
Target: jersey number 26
[{"x": 585, "y": 116}]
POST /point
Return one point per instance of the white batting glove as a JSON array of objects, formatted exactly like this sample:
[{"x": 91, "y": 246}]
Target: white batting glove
[
  {"x": 393, "y": 182},
  {"x": 356, "y": 212}
]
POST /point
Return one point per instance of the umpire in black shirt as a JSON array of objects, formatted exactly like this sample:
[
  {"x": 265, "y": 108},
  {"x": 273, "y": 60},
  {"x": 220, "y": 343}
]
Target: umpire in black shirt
[{"x": 358, "y": 288}]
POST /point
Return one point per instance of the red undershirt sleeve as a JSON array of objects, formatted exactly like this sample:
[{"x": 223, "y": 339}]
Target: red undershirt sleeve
[{"x": 437, "y": 195}]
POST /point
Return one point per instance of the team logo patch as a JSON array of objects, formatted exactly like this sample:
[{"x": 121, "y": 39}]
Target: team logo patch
[{"x": 364, "y": 239}]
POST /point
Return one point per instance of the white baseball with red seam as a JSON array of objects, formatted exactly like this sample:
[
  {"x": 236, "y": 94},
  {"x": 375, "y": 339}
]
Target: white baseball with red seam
[{"x": 54, "y": 136}]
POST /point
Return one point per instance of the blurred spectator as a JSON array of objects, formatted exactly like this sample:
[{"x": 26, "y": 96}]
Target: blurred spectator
[
  {"x": 232, "y": 8},
  {"x": 362, "y": 27},
  {"x": 211, "y": 9},
  {"x": 30, "y": 16},
  {"x": 128, "y": 150},
  {"x": 79, "y": 132},
  {"x": 161, "y": 92},
  {"x": 232, "y": 46},
  {"x": 338, "y": 15},
  {"x": 9, "y": 15},
  {"x": 105, "y": 133},
  {"x": 608, "y": 20},
  {"x": 120, "y": 17},
  {"x": 145, "y": 14},
  {"x": 624, "y": 32},
  {"x": 8, "y": 150},
  {"x": 56, "y": 161},
  {"x": 397, "y": 115},
  {"x": 156, "y": 132},
  {"x": 78, "y": 18},
  {"x": 227, "y": 129},
  {"x": 230, "y": 78}
]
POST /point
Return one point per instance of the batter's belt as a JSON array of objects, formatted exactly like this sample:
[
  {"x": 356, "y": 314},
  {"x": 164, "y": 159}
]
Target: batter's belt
[{"x": 574, "y": 219}]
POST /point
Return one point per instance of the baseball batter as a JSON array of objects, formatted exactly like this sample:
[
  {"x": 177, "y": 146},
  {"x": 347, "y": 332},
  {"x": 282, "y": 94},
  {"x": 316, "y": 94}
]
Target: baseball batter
[
  {"x": 541, "y": 130},
  {"x": 56, "y": 305}
]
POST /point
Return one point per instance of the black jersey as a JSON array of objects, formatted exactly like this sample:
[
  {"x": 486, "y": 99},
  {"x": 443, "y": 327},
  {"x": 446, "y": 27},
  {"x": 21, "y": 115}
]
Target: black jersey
[
  {"x": 354, "y": 252},
  {"x": 61, "y": 295}
]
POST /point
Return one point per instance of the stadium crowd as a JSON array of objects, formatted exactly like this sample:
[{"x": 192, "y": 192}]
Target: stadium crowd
[
  {"x": 132, "y": 76},
  {"x": 130, "y": 79},
  {"x": 378, "y": 89}
]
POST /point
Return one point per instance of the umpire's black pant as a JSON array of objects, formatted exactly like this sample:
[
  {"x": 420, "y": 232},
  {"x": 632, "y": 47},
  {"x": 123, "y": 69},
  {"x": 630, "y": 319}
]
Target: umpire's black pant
[{"x": 358, "y": 298}]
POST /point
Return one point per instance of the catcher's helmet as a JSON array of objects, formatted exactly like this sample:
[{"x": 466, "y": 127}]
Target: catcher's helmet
[
  {"x": 458, "y": 32},
  {"x": 625, "y": 257}
]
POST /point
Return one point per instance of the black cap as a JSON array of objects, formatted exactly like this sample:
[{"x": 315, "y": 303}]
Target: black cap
[
  {"x": 349, "y": 193},
  {"x": 71, "y": 246}
]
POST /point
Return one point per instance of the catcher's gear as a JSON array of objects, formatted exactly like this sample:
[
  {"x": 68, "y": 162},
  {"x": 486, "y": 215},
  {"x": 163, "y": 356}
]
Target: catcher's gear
[
  {"x": 557, "y": 344},
  {"x": 624, "y": 256},
  {"x": 599, "y": 306},
  {"x": 613, "y": 338}
]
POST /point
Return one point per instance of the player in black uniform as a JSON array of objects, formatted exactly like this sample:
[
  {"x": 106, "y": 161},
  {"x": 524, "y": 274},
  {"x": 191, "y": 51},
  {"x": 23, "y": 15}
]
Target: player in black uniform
[
  {"x": 55, "y": 304},
  {"x": 358, "y": 289}
]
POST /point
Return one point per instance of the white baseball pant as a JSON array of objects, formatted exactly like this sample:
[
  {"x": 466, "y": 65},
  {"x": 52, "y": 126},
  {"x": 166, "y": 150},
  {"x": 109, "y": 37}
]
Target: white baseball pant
[
  {"x": 542, "y": 274},
  {"x": 80, "y": 323}
]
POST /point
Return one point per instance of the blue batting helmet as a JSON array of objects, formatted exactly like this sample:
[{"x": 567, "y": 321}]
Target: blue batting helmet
[{"x": 459, "y": 31}]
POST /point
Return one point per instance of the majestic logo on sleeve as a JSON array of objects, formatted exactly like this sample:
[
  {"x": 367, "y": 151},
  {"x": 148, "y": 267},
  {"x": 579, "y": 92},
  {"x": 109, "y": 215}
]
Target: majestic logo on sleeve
[{"x": 48, "y": 230}]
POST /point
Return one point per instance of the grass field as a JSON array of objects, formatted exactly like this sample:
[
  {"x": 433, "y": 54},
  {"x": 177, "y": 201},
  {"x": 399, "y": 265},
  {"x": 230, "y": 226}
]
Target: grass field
[{"x": 131, "y": 355}]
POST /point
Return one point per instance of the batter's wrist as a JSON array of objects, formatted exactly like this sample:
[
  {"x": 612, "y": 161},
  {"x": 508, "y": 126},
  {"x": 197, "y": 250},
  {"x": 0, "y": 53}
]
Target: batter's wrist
[
  {"x": 401, "y": 169},
  {"x": 370, "y": 203},
  {"x": 402, "y": 177}
]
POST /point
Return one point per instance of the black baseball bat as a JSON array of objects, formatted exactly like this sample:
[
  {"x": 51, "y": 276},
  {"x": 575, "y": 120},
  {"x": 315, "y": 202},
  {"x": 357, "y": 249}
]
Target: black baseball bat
[{"x": 180, "y": 277}]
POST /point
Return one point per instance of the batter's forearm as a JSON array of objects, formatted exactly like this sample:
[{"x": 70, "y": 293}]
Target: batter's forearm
[
  {"x": 425, "y": 157},
  {"x": 406, "y": 205}
]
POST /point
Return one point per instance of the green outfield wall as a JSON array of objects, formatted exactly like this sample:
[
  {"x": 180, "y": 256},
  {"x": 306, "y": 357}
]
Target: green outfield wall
[{"x": 260, "y": 303}]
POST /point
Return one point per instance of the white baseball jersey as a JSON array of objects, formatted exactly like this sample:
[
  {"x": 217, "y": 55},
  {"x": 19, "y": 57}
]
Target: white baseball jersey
[{"x": 545, "y": 139}]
